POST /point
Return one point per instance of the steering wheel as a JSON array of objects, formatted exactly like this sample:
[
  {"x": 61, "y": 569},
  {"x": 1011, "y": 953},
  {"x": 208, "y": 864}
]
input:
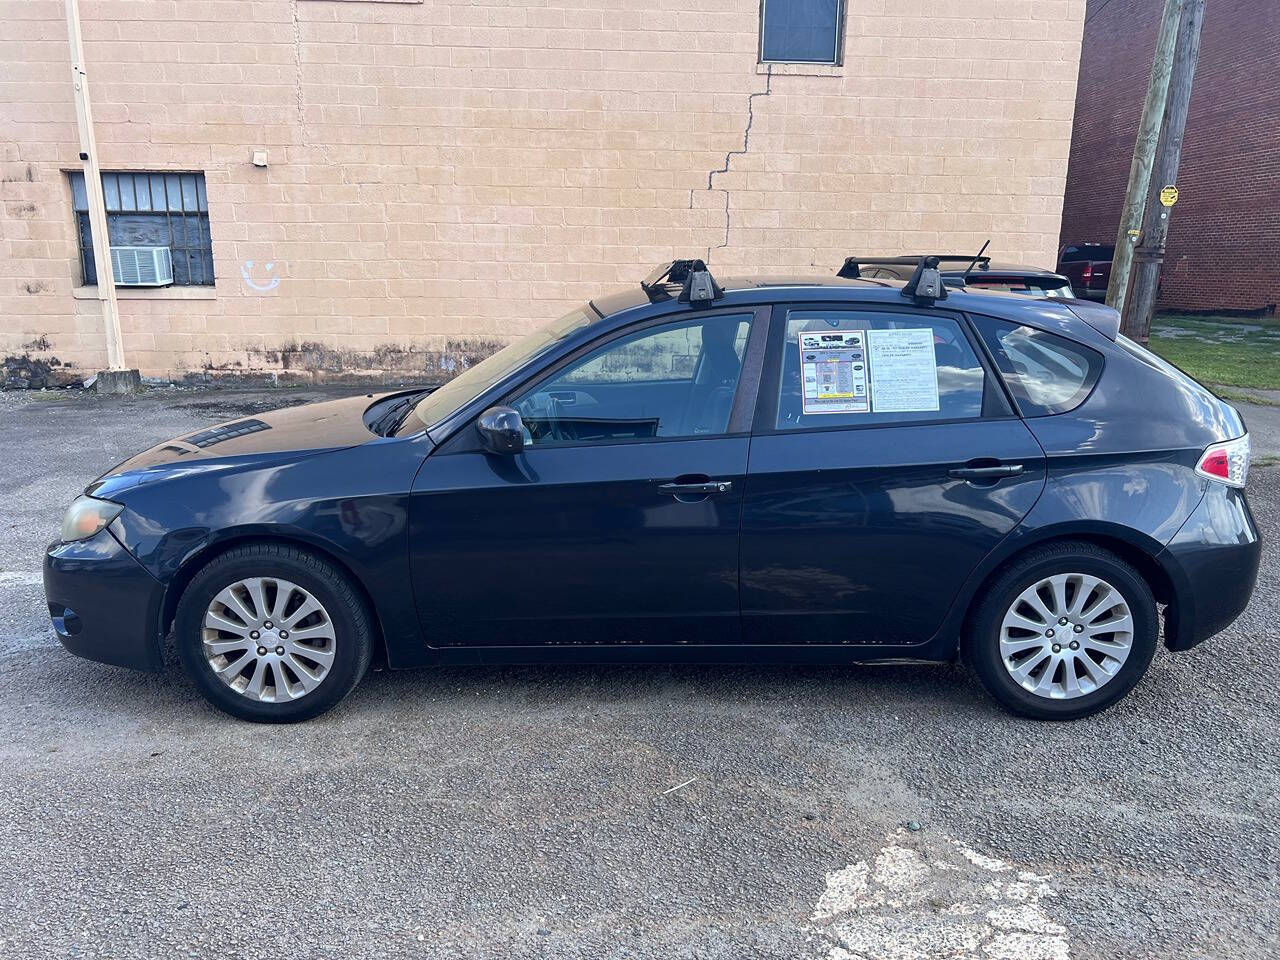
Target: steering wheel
[{"x": 542, "y": 409}]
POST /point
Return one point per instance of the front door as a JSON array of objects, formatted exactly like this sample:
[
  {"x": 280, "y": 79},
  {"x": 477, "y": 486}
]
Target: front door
[
  {"x": 886, "y": 463},
  {"x": 618, "y": 522}
]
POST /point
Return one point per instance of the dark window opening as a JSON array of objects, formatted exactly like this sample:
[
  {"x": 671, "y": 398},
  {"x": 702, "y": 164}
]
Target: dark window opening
[
  {"x": 1091, "y": 251},
  {"x": 151, "y": 210},
  {"x": 801, "y": 31}
]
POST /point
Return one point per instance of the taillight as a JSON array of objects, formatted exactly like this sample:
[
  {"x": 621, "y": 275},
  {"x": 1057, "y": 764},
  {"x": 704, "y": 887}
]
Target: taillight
[
  {"x": 1226, "y": 462},
  {"x": 1088, "y": 272}
]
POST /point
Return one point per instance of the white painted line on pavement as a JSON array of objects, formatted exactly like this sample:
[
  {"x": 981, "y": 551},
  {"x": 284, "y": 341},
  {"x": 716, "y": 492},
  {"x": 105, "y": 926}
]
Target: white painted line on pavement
[{"x": 928, "y": 898}]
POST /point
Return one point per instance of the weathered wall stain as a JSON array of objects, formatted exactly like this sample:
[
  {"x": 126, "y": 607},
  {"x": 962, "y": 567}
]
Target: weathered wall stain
[
  {"x": 26, "y": 372},
  {"x": 310, "y": 361},
  {"x": 297, "y": 363},
  {"x": 27, "y": 174}
]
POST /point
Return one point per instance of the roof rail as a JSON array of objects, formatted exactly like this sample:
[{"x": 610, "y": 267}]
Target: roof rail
[
  {"x": 694, "y": 279},
  {"x": 850, "y": 268}
]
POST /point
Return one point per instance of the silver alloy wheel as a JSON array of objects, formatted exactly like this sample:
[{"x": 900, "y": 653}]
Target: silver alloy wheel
[
  {"x": 268, "y": 639},
  {"x": 1066, "y": 636}
]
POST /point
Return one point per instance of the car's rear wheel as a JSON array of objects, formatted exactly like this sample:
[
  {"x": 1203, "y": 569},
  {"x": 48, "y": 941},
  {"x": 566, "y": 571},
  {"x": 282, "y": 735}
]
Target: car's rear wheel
[
  {"x": 273, "y": 634},
  {"x": 1065, "y": 631}
]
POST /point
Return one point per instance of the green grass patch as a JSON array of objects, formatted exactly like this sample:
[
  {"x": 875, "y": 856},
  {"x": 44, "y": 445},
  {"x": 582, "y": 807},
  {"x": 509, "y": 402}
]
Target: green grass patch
[
  {"x": 1241, "y": 396},
  {"x": 1234, "y": 354}
]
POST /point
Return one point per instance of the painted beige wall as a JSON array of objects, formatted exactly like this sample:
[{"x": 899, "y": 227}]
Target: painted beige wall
[{"x": 444, "y": 176}]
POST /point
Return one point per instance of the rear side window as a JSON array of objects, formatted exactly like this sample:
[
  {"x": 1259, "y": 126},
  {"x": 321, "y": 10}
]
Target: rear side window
[
  {"x": 1046, "y": 373},
  {"x": 860, "y": 368}
]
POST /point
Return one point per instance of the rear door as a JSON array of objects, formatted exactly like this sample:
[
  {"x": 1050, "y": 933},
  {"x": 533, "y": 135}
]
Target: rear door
[{"x": 886, "y": 462}]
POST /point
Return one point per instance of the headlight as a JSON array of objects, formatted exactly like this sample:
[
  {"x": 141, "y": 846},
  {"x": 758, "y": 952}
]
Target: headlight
[{"x": 86, "y": 517}]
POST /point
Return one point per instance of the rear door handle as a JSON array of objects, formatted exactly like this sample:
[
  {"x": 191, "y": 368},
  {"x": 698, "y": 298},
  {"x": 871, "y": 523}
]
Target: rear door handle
[
  {"x": 701, "y": 489},
  {"x": 995, "y": 472}
]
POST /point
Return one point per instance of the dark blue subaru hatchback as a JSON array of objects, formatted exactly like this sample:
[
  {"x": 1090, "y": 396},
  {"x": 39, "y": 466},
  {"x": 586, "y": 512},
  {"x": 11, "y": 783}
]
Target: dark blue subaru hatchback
[{"x": 777, "y": 468}]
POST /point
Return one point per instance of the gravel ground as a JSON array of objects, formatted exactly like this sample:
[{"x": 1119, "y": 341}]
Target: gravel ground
[{"x": 614, "y": 812}]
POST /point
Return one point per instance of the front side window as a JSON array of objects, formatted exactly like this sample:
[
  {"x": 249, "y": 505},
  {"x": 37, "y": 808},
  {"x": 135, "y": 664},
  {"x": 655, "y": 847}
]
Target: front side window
[
  {"x": 860, "y": 368},
  {"x": 677, "y": 380},
  {"x": 1046, "y": 373},
  {"x": 145, "y": 211},
  {"x": 435, "y": 406},
  {"x": 801, "y": 31}
]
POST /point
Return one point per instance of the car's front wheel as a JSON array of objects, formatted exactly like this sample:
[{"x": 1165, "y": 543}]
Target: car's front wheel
[
  {"x": 273, "y": 634},
  {"x": 1065, "y": 631}
]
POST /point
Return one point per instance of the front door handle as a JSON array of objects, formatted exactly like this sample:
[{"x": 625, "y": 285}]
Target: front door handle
[
  {"x": 994, "y": 472},
  {"x": 698, "y": 489}
]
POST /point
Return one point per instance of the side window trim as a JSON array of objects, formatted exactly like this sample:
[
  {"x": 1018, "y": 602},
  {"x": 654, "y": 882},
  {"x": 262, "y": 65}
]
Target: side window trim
[
  {"x": 741, "y": 410},
  {"x": 766, "y": 414},
  {"x": 991, "y": 366}
]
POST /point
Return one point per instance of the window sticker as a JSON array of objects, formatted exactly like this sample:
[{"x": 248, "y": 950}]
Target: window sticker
[
  {"x": 904, "y": 371},
  {"x": 833, "y": 366}
]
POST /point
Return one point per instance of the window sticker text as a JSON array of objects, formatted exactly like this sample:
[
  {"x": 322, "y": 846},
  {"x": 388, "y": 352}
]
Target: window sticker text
[
  {"x": 904, "y": 371},
  {"x": 833, "y": 367}
]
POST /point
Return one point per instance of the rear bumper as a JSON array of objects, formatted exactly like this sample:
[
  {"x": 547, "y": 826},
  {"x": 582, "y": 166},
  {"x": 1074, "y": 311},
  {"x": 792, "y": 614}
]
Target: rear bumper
[
  {"x": 1213, "y": 564},
  {"x": 103, "y": 604}
]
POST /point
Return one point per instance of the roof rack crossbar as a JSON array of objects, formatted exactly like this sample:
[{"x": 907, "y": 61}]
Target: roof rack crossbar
[
  {"x": 696, "y": 283},
  {"x": 850, "y": 268}
]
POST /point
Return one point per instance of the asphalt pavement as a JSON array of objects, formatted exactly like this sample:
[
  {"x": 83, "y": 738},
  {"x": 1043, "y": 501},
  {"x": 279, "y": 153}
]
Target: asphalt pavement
[{"x": 872, "y": 813}]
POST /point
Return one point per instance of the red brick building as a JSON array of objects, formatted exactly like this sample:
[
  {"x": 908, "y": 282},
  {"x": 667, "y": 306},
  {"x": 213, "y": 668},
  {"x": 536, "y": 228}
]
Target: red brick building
[{"x": 1222, "y": 249}]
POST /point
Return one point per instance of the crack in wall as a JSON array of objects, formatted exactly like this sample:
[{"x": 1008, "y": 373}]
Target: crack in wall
[
  {"x": 728, "y": 158},
  {"x": 299, "y": 93}
]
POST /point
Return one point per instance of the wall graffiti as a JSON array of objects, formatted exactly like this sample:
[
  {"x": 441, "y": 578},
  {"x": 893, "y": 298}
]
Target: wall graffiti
[{"x": 263, "y": 284}]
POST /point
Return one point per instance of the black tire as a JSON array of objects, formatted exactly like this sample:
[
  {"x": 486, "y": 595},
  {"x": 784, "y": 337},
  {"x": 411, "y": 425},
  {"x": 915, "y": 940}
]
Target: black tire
[
  {"x": 352, "y": 628},
  {"x": 981, "y": 644}
]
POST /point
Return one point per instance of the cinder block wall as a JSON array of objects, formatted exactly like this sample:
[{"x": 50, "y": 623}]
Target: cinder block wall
[
  {"x": 445, "y": 176},
  {"x": 1221, "y": 252}
]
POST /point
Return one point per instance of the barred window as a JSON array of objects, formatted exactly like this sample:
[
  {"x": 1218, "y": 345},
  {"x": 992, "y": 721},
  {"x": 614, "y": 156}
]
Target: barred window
[{"x": 151, "y": 210}]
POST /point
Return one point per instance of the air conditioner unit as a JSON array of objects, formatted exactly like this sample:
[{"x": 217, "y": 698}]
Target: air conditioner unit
[{"x": 142, "y": 266}]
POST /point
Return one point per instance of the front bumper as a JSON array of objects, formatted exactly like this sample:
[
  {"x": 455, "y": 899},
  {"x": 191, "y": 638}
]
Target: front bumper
[
  {"x": 103, "y": 604},
  {"x": 1213, "y": 565}
]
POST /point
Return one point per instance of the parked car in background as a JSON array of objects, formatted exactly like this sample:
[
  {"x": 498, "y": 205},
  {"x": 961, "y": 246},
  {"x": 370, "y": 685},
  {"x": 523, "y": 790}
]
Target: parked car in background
[
  {"x": 932, "y": 472},
  {"x": 1088, "y": 267},
  {"x": 964, "y": 270}
]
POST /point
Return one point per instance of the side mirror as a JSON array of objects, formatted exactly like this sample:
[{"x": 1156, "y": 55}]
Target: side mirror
[{"x": 501, "y": 430}]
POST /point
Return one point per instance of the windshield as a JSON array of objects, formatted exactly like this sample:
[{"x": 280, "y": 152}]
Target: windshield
[{"x": 472, "y": 382}]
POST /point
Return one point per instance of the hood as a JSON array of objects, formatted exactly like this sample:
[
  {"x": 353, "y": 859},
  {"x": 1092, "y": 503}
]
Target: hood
[{"x": 279, "y": 434}]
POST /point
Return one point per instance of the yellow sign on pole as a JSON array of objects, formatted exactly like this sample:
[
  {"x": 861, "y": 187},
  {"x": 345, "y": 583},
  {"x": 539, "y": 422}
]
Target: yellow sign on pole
[{"x": 1169, "y": 195}]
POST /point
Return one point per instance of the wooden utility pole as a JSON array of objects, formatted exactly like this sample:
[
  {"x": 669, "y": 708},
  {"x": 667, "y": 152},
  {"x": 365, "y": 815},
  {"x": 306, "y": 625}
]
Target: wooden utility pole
[
  {"x": 1144, "y": 151},
  {"x": 1149, "y": 254},
  {"x": 93, "y": 192}
]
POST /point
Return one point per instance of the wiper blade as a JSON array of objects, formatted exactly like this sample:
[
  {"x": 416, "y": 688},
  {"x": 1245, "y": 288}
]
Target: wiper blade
[{"x": 390, "y": 419}]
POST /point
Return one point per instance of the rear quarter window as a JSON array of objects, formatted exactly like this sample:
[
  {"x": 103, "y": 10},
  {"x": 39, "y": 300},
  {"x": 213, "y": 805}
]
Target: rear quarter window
[{"x": 1046, "y": 373}]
